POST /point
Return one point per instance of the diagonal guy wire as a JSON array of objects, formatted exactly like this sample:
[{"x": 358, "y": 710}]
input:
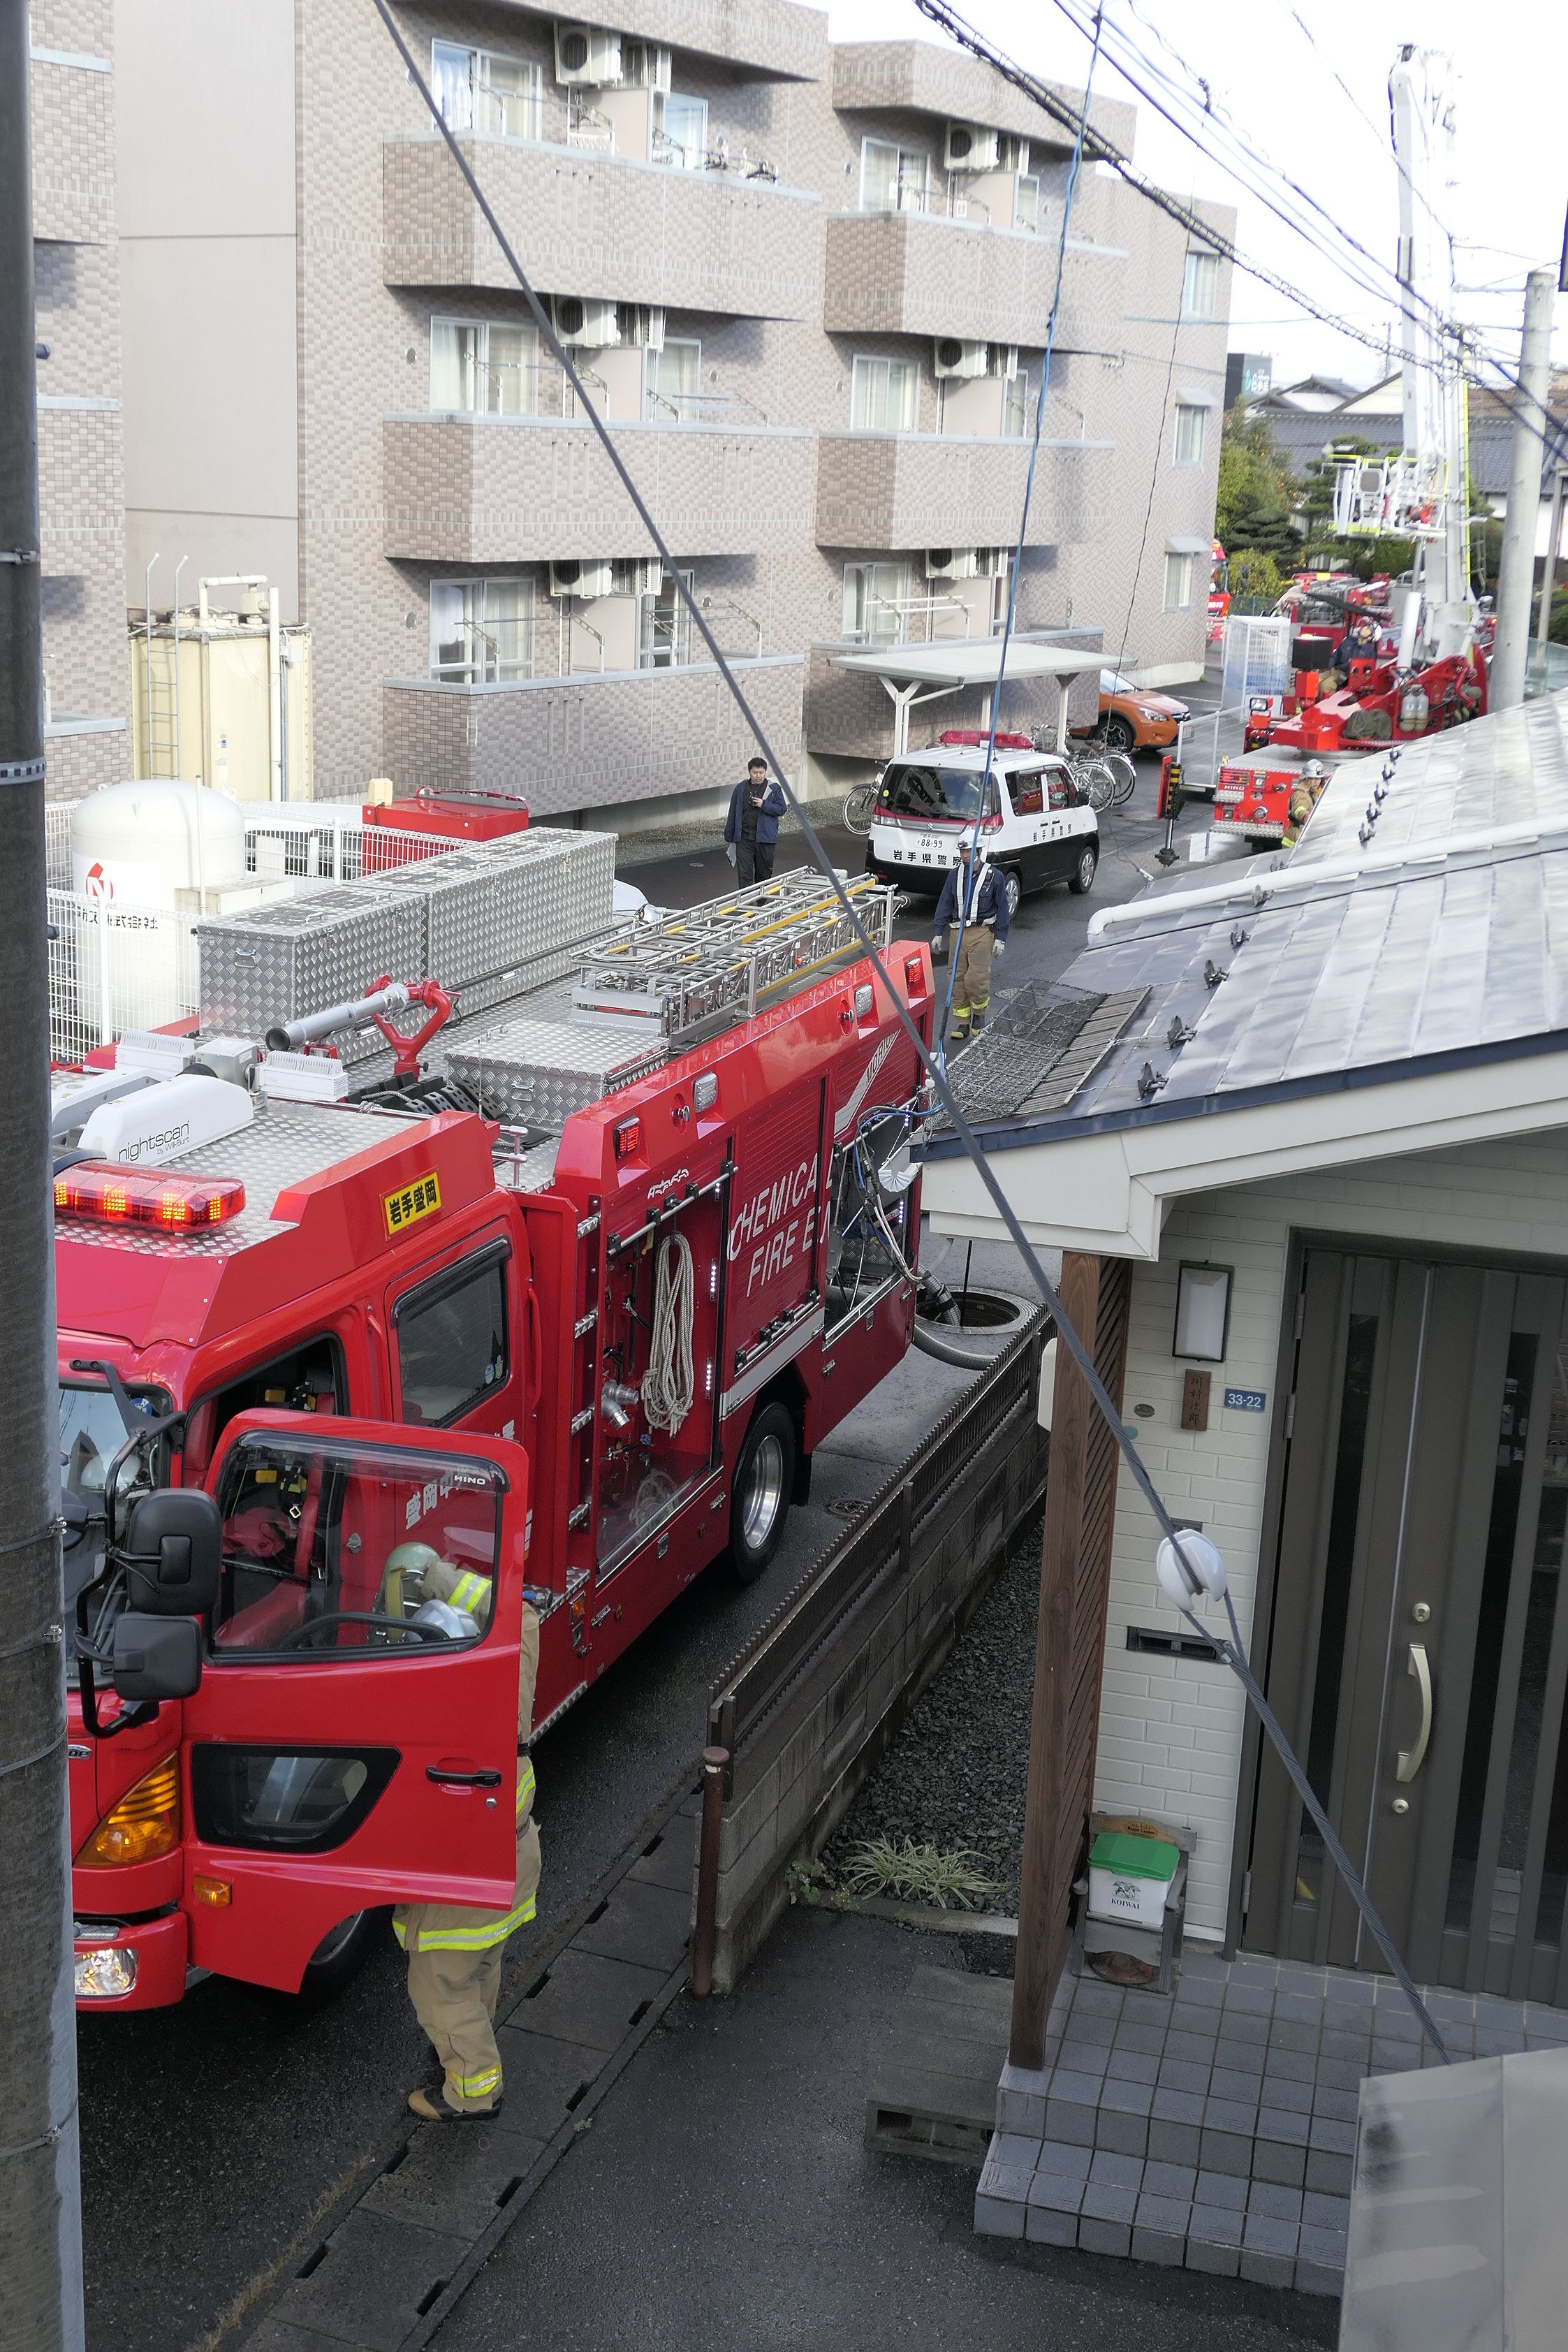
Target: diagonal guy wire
[
  {"x": 1072, "y": 189},
  {"x": 929, "y": 1062}
]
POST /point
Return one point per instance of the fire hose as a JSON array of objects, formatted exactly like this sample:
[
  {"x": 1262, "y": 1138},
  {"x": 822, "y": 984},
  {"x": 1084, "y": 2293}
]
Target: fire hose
[{"x": 669, "y": 1384}]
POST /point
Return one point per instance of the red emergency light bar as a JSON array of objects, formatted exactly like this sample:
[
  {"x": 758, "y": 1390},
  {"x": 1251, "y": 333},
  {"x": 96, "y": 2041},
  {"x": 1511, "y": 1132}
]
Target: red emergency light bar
[
  {"x": 104, "y": 1194},
  {"x": 977, "y": 735}
]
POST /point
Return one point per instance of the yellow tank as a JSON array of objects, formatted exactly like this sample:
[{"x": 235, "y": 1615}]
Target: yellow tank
[{"x": 221, "y": 695}]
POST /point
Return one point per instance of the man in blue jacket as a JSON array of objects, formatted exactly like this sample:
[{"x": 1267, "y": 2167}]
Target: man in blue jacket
[
  {"x": 752, "y": 825},
  {"x": 979, "y": 893}
]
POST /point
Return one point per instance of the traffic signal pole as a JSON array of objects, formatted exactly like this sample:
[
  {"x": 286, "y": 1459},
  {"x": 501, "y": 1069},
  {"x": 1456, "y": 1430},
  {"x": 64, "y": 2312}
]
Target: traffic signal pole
[{"x": 40, "y": 2172}]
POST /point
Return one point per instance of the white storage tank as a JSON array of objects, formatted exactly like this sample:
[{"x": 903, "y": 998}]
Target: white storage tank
[
  {"x": 142, "y": 854},
  {"x": 141, "y": 843}
]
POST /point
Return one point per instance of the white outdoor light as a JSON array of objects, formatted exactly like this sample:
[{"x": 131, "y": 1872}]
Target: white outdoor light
[
  {"x": 1190, "y": 1568},
  {"x": 1203, "y": 1312}
]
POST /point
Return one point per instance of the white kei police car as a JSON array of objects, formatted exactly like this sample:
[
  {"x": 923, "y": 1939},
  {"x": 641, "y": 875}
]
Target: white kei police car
[{"x": 1036, "y": 829}]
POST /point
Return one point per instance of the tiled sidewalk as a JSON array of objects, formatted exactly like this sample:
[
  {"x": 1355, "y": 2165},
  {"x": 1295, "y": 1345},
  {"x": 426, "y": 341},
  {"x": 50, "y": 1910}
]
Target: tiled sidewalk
[{"x": 1215, "y": 2128}]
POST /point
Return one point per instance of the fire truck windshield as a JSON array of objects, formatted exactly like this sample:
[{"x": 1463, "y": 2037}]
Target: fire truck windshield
[{"x": 91, "y": 1435}]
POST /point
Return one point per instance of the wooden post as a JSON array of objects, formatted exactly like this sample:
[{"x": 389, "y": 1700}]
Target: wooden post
[{"x": 1079, "y": 1506}]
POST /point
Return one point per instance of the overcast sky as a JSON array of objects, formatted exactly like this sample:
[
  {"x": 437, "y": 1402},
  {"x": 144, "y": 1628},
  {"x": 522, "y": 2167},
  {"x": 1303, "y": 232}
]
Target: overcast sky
[{"x": 1278, "y": 89}]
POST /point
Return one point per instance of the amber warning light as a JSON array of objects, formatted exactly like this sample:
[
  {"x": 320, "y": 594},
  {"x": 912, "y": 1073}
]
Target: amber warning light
[{"x": 100, "y": 1193}]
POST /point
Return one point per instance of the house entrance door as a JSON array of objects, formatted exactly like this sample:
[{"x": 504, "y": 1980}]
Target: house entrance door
[{"x": 1417, "y": 1655}]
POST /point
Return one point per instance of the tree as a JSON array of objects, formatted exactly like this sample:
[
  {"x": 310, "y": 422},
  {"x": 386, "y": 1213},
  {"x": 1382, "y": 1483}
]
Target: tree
[{"x": 1255, "y": 491}]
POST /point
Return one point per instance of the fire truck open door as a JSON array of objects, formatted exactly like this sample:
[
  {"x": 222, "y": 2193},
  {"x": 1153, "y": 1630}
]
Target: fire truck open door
[{"x": 354, "y": 1739}]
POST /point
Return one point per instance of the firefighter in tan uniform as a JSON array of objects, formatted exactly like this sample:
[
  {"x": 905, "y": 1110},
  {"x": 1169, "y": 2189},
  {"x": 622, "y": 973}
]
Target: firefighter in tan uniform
[{"x": 453, "y": 1951}]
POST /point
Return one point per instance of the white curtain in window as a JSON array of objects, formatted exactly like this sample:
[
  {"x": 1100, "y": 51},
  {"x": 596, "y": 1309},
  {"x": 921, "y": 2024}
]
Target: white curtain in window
[
  {"x": 482, "y": 631},
  {"x": 506, "y": 96},
  {"x": 893, "y": 178},
  {"x": 483, "y": 369},
  {"x": 683, "y": 129},
  {"x": 1178, "y": 582},
  {"x": 882, "y": 395},
  {"x": 1201, "y": 285},
  {"x": 1188, "y": 435},
  {"x": 452, "y": 83},
  {"x": 876, "y": 596},
  {"x": 671, "y": 382},
  {"x": 1015, "y": 404}
]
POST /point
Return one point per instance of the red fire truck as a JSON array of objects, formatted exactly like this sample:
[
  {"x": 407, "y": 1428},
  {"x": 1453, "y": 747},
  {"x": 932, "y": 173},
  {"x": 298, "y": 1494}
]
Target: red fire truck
[{"x": 310, "y": 1349}]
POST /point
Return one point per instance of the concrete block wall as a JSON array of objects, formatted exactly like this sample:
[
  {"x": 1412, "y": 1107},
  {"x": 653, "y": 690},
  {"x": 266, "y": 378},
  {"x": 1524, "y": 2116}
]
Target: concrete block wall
[
  {"x": 921, "y": 490},
  {"x": 82, "y": 474},
  {"x": 793, "y": 1781},
  {"x": 1170, "y": 1729}
]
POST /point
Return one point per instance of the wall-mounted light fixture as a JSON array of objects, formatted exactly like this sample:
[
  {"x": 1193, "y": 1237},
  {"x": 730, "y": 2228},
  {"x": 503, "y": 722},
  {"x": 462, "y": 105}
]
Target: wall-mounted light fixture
[{"x": 1203, "y": 1312}]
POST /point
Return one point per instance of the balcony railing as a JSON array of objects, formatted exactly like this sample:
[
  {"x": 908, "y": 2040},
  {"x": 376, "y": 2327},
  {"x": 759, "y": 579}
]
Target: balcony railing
[
  {"x": 899, "y": 491},
  {"x": 606, "y": 226},
  {"x": 519, "y": 489}
]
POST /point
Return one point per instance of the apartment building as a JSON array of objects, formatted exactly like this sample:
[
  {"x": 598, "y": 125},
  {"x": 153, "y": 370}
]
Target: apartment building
[
  {"x": 80, "y": 455},
  {"x": 809, "y": 286}
]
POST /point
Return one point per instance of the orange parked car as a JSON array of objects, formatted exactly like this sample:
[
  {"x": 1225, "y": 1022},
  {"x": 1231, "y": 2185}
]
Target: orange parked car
[{"x": 1134, "y": 718}]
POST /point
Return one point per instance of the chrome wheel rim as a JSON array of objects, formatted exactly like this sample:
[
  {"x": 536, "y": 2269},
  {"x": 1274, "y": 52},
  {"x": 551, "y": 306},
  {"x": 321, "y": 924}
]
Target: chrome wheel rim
[
  {"x": 1086, "y": 870},
  {"x": 764, "y": 1494}
]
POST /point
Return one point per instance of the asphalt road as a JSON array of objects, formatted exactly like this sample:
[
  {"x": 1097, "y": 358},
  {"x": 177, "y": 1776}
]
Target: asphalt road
[{"x": 215, "y": 2135}]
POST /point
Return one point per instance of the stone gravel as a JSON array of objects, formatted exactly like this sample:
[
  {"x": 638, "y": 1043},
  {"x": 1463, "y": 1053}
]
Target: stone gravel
[{"x": 954, "y": 1774}]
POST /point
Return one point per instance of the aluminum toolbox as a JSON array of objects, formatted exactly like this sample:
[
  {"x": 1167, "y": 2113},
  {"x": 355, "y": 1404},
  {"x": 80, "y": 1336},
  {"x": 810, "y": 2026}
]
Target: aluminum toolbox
[
  {"x": 509, "y": 915},
  {"x": 278, "y": 961},
  {"x": 536, "y": 1073}
]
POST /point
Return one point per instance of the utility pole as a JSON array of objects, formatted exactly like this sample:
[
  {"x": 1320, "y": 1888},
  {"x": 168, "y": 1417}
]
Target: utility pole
[
  {"x": 40, "y": 2170},
  {"x": 1532, "y": 429}
]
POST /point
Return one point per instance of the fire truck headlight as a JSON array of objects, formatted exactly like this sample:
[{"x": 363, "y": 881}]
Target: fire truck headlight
[{"x": 105, "y": 1972}]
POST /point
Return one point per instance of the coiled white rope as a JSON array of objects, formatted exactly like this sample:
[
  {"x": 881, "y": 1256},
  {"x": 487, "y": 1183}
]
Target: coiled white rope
[{"x": 669, "y": 1384}]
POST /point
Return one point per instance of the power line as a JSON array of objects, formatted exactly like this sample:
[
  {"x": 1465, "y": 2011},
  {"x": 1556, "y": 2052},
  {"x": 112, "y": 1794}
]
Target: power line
[{"x": 1104, "y": 150}]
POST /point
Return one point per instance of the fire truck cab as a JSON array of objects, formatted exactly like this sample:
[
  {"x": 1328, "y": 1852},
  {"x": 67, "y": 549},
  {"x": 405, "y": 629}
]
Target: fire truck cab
[{"x": 340, "y": 1385}]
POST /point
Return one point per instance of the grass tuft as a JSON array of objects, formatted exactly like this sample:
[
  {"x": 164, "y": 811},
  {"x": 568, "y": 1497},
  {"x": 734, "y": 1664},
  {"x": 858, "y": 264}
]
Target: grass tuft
[{"x": 919, "y": 1873}]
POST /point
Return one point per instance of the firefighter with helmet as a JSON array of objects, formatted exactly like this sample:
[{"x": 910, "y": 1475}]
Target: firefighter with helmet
[
  {"x": 974, "y": 895},
  {"x": 1304, "y": 796},
  {"x": 453, "y": 1951}
]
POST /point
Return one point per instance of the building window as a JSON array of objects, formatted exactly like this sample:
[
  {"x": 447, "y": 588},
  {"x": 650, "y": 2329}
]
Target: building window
[
  {"x": 483, "y": 369},
  {"x": 670, "y": 381},
  {"x": 882, "y": 394},
  {"x": 892, "y": 179},
  {"x": 664, "y": 628},
  {"x": 1178, "y": 582},
  {"x": 680, "y": 134},
  {"x": 1015, "y": 405},
  {"x": 500, "y": 97},
  {"x": 1026, "y": 202},
  {"x": 1001, "y": 581},
  {"x": 877, "y": 601},
  {"x": 1189, "y": 427},
  {"x": 1200, "y": 284},
  {"x": 482, "y": 631}
]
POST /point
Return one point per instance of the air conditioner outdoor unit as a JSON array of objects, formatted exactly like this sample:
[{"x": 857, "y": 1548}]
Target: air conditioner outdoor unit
[
  {"x": 586, "y": 57},
  {"x": 1002, "y": 359},
  {"x": 971, "y": 147},
  {"x": 588, "y": 324},
  {"x": 951, "y": 563},
  {"x": 956, "y": 358},
  {"x": 640, "y": 325},
  {"x": 639, "y": 579},
  {"x": 645, "y": 65},
  {"x": 581, "y": 579}
]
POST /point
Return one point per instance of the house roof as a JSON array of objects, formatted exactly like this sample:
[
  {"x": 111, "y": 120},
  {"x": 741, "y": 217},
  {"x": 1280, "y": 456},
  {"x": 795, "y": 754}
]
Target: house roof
[{"x": 1351, "y": 999}]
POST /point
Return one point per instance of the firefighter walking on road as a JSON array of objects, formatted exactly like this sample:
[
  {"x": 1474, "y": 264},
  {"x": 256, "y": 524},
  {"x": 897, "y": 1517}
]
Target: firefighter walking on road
[
  {"x": 974, "y": 896},
  {"x": 454, "y": 1952}
]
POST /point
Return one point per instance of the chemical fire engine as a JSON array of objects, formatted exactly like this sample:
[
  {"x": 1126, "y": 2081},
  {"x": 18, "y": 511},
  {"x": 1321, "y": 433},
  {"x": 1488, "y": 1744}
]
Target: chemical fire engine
[{"x": 325, "y": 1322}]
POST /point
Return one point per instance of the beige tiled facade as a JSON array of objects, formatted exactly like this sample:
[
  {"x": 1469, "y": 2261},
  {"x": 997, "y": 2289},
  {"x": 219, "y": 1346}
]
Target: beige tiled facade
[
  {"x": 793, "y": 486},
  {"x": 81, "y": 474}
]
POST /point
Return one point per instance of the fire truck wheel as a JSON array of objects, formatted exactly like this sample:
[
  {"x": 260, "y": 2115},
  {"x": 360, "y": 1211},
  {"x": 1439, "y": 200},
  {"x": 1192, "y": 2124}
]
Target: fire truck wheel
[
  {"x": 1080, "y": 881},
  {"x": 339, "y": 1955},
  {"x": 759, "y": 1494}
]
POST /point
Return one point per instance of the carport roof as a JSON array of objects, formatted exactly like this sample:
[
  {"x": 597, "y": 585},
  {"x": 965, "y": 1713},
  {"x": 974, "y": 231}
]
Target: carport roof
[{"x": 976, "y": 663}]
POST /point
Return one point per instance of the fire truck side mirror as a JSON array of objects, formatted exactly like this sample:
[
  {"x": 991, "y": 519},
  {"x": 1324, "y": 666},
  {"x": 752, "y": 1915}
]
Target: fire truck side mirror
[
  {"x": 173, "y": 1552},
  {"x": 156, "y": 1657}
]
